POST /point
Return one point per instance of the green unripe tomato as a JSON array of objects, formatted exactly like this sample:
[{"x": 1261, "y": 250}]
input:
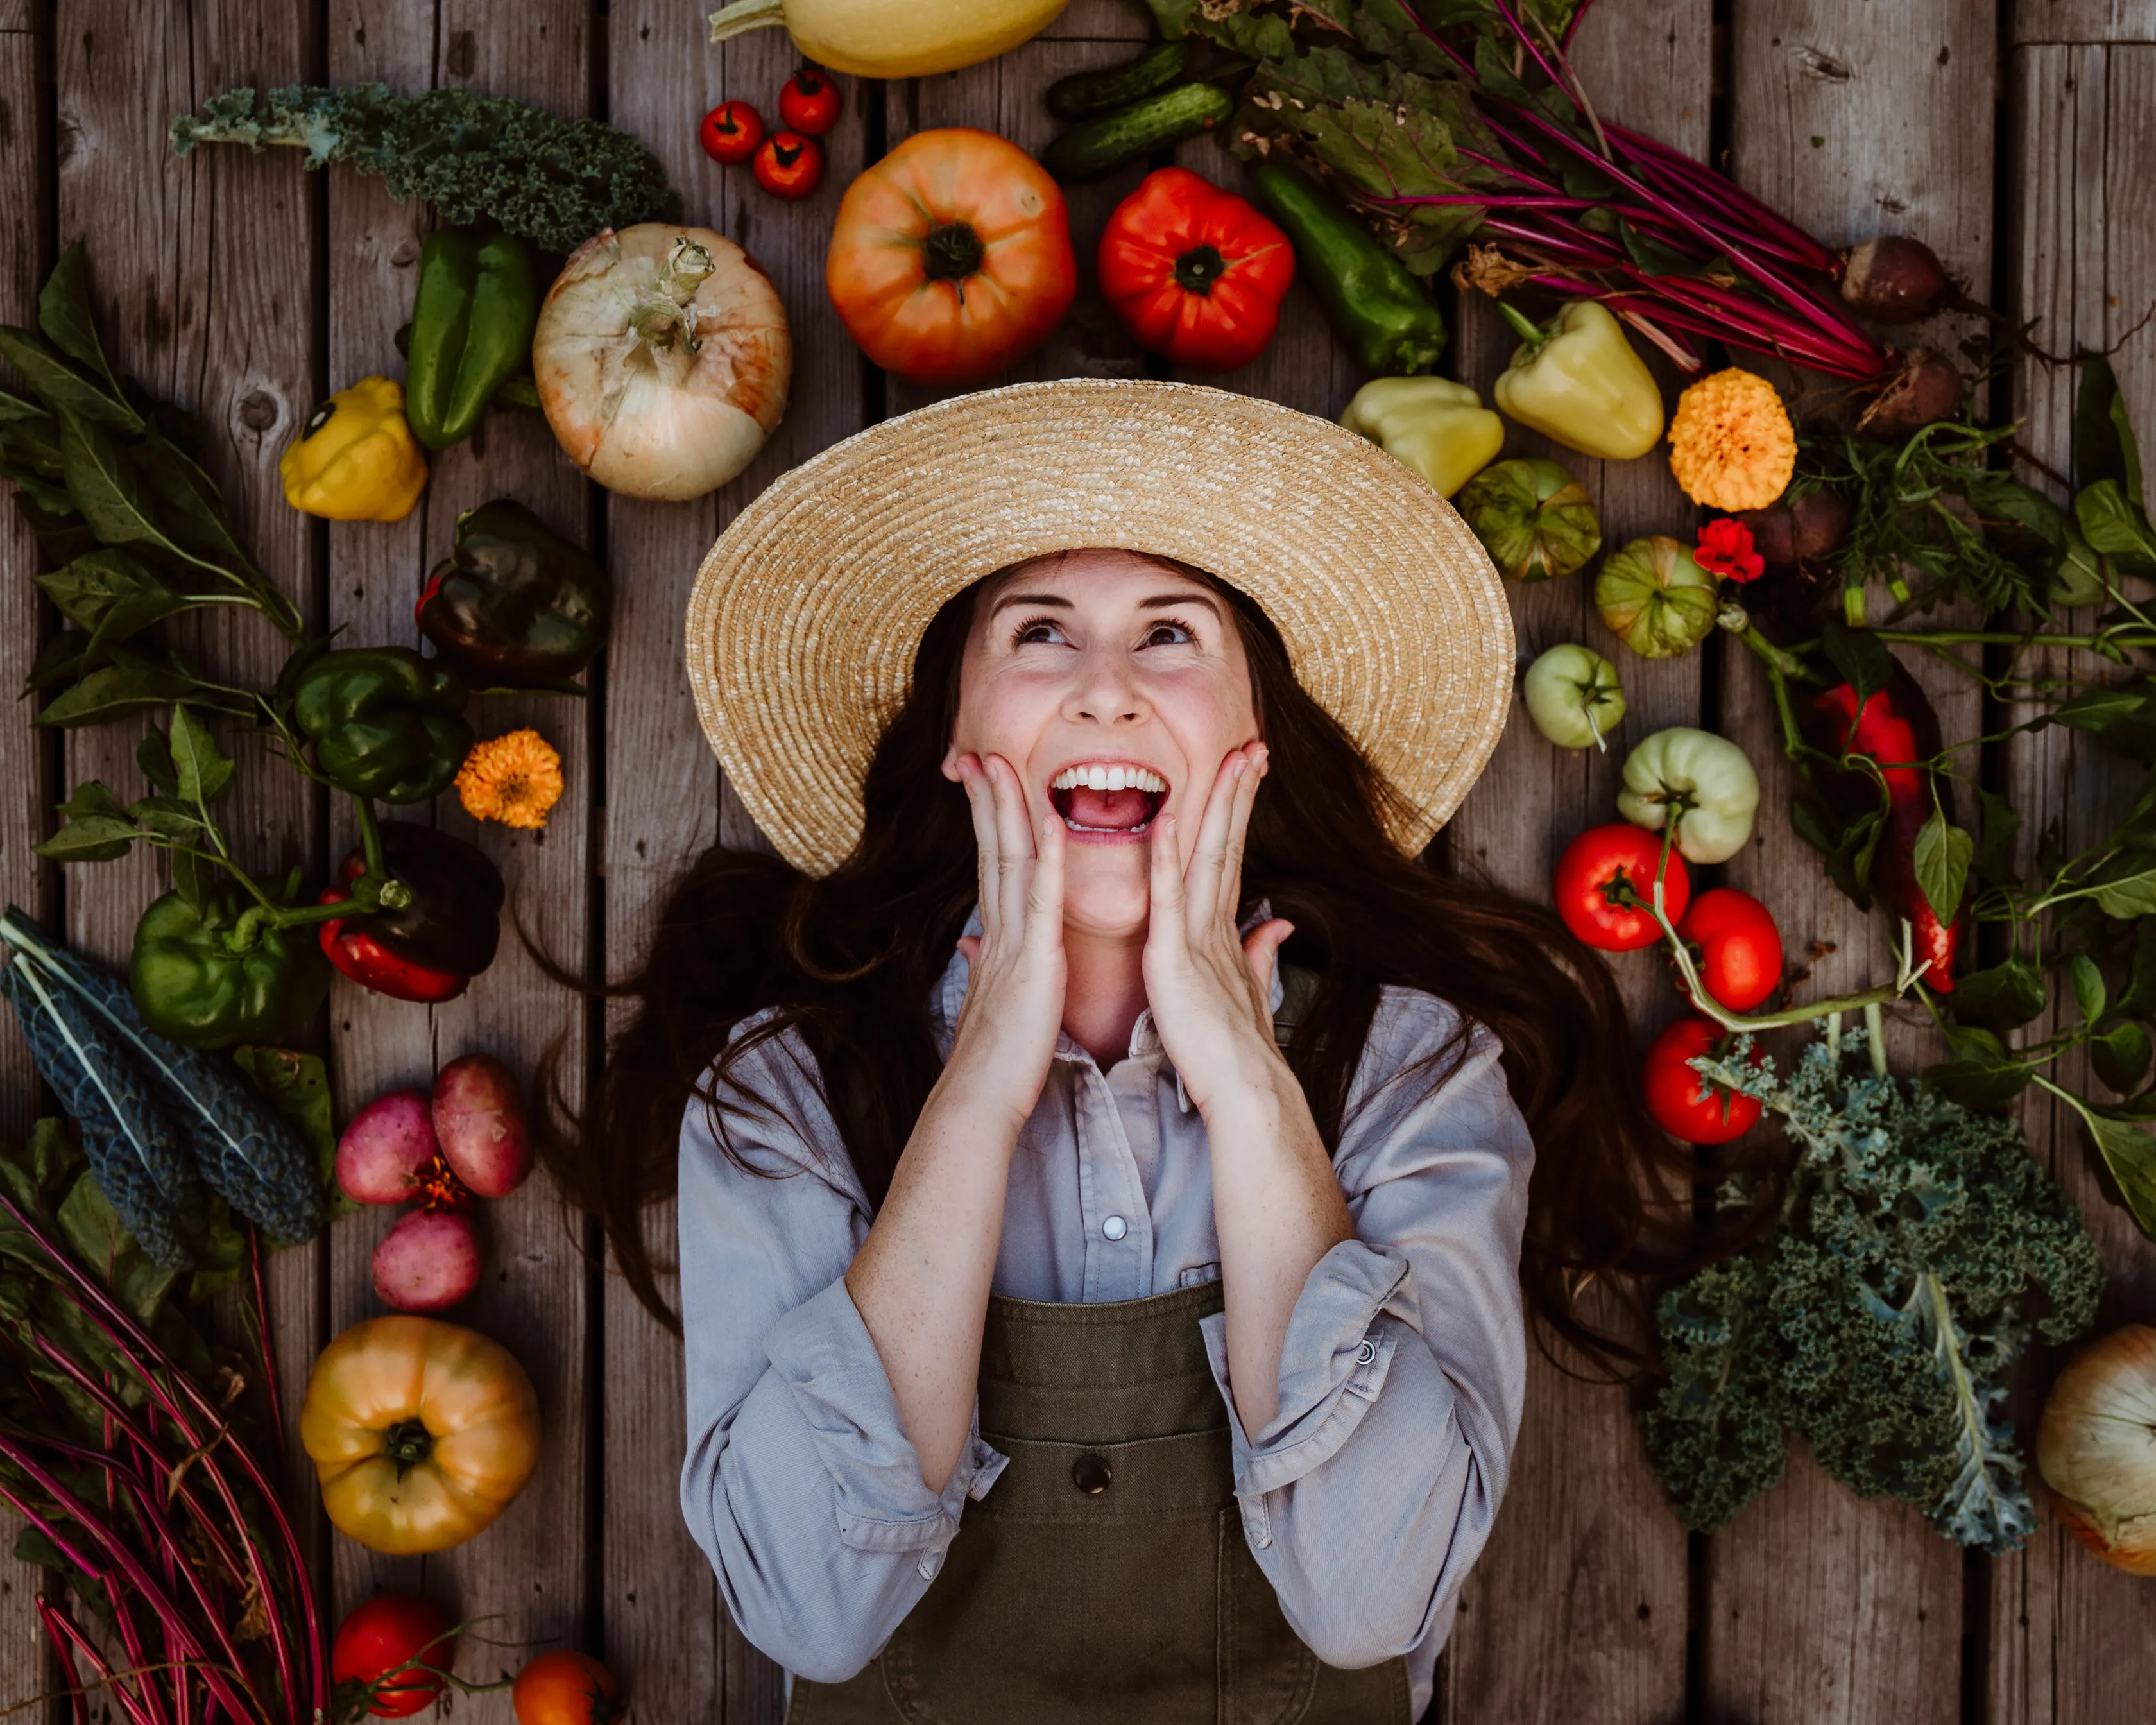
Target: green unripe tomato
[{"x": 1573, "y": 696}]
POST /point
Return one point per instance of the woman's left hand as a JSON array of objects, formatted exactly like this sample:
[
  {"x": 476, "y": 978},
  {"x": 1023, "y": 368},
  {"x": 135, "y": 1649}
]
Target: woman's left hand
[{"x": 1209, "y": 987}]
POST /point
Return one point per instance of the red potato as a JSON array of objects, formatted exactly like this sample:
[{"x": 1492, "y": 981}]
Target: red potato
[
  {"x": 428, "y": 1262},
  {"x": 479, "y": 1123},
  {"x": 386, "y": 1151}
]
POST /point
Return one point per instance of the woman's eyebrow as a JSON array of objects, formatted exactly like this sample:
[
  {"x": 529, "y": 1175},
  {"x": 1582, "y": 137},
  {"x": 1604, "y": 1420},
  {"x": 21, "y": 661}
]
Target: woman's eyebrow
[
  {"x": 1029, "y": 598},
  {"x": 1169, "y": 601}
]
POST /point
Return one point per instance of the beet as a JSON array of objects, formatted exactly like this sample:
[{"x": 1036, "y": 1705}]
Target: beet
[
  {"x": 388, "y": 1148},
  {"x": 1892, "y": 278},
  {"x": 1925, "y": 389},
  {"x": 1787, "y": 534},
  {"x": 428, "y": 1261},
  {"x": 480, "y": 1121}
]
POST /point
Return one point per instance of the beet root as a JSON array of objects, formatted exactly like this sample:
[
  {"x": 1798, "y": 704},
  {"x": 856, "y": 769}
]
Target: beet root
[
  {"x": 387, "y": 1150},
  {"x": 480, "y": 1122},
  {"x": 1787, "y": 534},
  {"x": 428, "y": 1262},
  {"x": 1926, "y": 388},
  {"x": 1892, "y": 278}
]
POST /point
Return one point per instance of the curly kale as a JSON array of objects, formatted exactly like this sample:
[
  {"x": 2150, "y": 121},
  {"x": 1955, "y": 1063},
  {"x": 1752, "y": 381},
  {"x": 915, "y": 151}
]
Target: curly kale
[
  {"x": 1874, "y": 1320},
  {"x": 554, "y": 182}
]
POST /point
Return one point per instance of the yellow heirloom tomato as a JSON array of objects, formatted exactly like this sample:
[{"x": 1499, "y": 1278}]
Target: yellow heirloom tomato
[
  {"x": 356, "y": 459},
  {"x": 421, "y": 1433}
]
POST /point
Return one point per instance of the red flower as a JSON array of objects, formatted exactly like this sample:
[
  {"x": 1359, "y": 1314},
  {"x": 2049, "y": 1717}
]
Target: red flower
[{"x": 1725, "y": 547}]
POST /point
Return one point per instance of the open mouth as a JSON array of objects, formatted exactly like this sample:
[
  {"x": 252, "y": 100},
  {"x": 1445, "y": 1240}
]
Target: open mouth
[{"x": 1098, "y": 799}]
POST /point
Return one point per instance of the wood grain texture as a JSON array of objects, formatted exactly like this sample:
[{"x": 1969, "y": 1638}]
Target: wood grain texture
[
  {"x": 1852, "y": 121},
  {"x": 2065, "y": 21},
  {"x": 1585, "y": 1546},
  {"x": 2069, "y": 1638}
]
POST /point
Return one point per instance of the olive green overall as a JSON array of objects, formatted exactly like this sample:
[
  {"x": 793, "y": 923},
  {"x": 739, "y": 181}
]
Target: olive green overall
[{"x": 1105, "y": 1576}]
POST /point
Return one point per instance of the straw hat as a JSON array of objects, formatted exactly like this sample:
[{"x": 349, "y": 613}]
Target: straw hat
[{"x": 802, "y": 629}]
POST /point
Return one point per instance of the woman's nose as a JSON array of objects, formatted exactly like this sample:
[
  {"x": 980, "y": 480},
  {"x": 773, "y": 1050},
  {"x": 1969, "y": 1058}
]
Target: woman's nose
[{"x": 1105, "y": 692}]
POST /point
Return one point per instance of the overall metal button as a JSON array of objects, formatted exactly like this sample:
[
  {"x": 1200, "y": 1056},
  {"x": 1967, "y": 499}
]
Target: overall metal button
[
  {"x": 1115, "y": 1227},
  {"x": 1089, "y": 1473}
]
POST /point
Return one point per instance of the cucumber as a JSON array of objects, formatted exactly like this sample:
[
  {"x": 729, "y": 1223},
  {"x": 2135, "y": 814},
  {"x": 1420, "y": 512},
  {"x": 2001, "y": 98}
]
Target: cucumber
[
  {"x": 1084, "y": 95},
  {"x": 1101, "y": 146}
]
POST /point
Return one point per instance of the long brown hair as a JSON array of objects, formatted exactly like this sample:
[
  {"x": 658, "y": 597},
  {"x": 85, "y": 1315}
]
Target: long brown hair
[{"x": 849, "y": 961}]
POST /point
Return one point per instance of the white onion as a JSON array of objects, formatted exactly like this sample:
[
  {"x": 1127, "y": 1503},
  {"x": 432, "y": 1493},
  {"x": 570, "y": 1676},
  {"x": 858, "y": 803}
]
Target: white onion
[
  {"x": 662, "y": 358},
  {"x": 2097, "y": 1448}
]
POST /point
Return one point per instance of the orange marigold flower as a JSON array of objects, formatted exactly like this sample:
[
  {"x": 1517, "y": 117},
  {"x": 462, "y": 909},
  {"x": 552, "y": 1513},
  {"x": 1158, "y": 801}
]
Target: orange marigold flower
[
  {"x": 1731, "y": 442},
  {"x": 514, "y": 779}
]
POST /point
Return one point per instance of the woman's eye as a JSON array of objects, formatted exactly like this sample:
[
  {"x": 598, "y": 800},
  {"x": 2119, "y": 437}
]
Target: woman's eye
[
  {"x": 1167, "y": 632},
  {"x": 1038, "y": 629}
]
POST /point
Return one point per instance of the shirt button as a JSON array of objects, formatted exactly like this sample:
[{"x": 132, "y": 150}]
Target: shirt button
[
  {"x": 1090, "y": 1474},
  {"x": 1365, "y": 1351},
  {"x": 1115, "y": 1227}
]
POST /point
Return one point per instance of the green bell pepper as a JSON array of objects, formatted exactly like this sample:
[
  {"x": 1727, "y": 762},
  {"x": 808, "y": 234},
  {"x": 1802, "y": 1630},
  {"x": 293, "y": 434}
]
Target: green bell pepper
[
  {"x": 385, "y": 722},
  {"x": 223, "y": 972},
  {"x": 472, "y": 321}
]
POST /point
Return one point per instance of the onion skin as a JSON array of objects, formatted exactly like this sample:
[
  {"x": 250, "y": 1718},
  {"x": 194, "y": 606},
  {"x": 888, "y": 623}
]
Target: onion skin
[
  {"x": 652, "y": 418},
  {"x": 2095, "y": 1448},
  {"x": 1892, "y": 279}
]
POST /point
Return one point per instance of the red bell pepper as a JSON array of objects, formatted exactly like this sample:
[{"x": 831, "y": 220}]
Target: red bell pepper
[
  {"x": 1889, "y": 739},
  {"x": 1195, "y": 272},
  {"x": 440, "y": 928}
]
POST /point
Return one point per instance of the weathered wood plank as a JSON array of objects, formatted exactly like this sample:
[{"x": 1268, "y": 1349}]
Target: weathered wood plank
[
  {"x": 2071, "y": 1639},
  {"x": 1100, "y": 21},
  {"x": 1853, "y": 121},
  {"x": 1585, "y": 1549},
  {"x": 665, "y": 1628},
  {"x": 2047, "y": 21},
  {"x": 526, "y": 1574}
]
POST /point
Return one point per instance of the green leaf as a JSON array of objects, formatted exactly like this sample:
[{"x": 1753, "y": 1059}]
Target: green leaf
[
  {"x": 2001, "y": 823},
  {"x": 2088, "y": 987},
  {"x": 92, "y": 797},
  {"x": 2139, "y": 999},
  {"x": 192, "y": 508},
  {"x": 2002, "y": 998},
  {"x": 96, "y": 1235},
  {"x": 2120, "y": 1054},
  {"x": 204, "y": 770},
  {"x": 154, "y": 756},
  {"x": 112, "y": 594},
  {"x": 2098, "y": 454},
  {"x": 2129, "y": 1153},
  {"x": 192, "y": 877},
  {"x": 1861, "y": 657},
  {"x": 1943, "y": 854},
  {"x": 13, "y": 406},
  {"x": 168, "y": 817},
  {"x": 116, "y": 689},
  {"x": 92, "y": 838},
  {"x": 60, "y": 386},
  {"x": 298, "y": 1086},
  {"x": 2133, "y": 895},
  {"x": 64, "y": 314},
  {"x": 102, "y": 480},
  {"x": 2116, "y": 526},
  {"x": 1981, "y": 1085}
]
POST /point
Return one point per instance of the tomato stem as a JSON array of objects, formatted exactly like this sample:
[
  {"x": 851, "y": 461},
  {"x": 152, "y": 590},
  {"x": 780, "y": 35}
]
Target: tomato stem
[
  {"x": 407, "y": 1443},
  {"x": 952, "y": 252},
  {"x": 1197, "y": 269}
]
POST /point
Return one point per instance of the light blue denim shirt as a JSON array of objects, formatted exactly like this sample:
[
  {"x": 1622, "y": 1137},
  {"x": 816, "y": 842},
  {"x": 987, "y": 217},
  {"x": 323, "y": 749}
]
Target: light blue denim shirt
[{"x": 1366, "y": 1500}]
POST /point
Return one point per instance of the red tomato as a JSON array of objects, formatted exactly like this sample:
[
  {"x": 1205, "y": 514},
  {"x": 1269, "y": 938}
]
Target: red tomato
[
  {"x": 1739, "y": 948},
  {"x": 809, "y": 103},
  {"x": 1597, "y": 871},
  {"x": 1683, "y": 1104},
  {"x": 789, "y": 165},
  {"x": 379, "y": 1645},
  {"x": 730, "y": 132},
  {"x": 1194, "y": 272},
  {"x": 566, "y": 1688}
]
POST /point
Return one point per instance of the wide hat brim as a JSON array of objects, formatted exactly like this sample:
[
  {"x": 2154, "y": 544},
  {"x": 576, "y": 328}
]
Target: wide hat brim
[{"x": 802, "y": 629}]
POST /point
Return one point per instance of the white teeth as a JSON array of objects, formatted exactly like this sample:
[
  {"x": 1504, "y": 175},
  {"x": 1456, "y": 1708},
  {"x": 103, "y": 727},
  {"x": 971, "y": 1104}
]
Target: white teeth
[
  {"x": 1114, "y": 778},
  {"x": 1108, "y": 778},
  {"x": 1097, "y": 779}
]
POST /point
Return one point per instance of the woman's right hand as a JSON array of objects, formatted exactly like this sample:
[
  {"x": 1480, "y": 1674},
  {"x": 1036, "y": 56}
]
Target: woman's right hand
[{"x": 1007, "y": 1030}]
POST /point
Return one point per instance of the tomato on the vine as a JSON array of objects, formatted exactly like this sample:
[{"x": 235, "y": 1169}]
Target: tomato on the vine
[
  {"x": 567, "y": 1688},
  {"x": 1687, "y": 1106},
  {"x": 379, "y": 1650},
  {"x": 789, "y": 165},
  {"x": 730, "y": 132},
  {"x": 1605, "y": 887},
  {"x": 809, "y": 103},
  {"x": 1740, "y": 949}
]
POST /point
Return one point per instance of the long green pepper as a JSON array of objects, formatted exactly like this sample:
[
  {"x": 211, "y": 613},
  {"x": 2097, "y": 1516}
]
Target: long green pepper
[
  {"x": 472, "y": 321},
  {"x": 1370, "y": 294}
]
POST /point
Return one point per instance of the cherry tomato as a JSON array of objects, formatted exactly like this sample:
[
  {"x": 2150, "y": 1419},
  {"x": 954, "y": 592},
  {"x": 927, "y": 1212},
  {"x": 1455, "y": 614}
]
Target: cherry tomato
[
  {"x": 1597, "y": 872},
  {"x": 1739, "y": 948},
  {"x": 730, "y": 132},
  {"x": 1685, "y": 1105},
  {"x": 809, "y": 103},
  {"x": 567, "y": 1688},
  {"x": 379, "y": 1645},
  {"x": 789, "y": 165}
]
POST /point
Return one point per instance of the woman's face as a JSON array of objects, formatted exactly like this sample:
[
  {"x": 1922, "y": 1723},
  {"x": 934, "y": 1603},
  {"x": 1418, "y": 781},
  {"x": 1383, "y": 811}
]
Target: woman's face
[{"x": 1114, "y": 686}]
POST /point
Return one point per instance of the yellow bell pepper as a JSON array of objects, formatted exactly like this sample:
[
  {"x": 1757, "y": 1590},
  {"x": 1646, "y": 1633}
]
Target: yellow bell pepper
[
  {"x": 421, "y": 1432},
  {"x": 1577, "y": 381},
  {"x": 1439, "y": 429},
  {"x": 355, "y": 460}
]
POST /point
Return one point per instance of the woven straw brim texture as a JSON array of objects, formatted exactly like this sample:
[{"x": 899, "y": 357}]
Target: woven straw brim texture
[{"x": 802, "y": 630}]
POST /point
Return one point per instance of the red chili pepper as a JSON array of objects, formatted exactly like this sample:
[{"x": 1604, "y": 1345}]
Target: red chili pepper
[
  {"x": 789, "y": 165},
  {"x": 1889, "y": 740},
  {"x": 730, "y": 132},
  {"x": 1195, "y": 272},
  {"x": 809, "y": 103}
]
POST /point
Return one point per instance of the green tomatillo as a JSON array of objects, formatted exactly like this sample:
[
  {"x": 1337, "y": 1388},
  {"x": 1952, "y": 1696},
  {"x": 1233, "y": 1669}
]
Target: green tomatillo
[
  {"x": 222, "y": 971},
  {"x": 1573, "y": 696},
  {"x": 1533, "y": 517},
  {"x": 1703, "y": 780},
  {"x": 1656, "y": 598}
]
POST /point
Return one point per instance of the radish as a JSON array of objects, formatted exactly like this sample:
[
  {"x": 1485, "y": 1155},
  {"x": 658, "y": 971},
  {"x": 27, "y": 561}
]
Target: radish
[
  {"x": 387, "y": 1150},
  {"x": 479, "y": 1123},
  {"x": 428, "y": 1262}
]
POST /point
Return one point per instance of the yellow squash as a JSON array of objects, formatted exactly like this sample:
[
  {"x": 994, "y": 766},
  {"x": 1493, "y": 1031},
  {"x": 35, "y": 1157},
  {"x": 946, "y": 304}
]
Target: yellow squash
[
  {"x": 421, "y": 1432},
  {"x": 893, "y": 38}
]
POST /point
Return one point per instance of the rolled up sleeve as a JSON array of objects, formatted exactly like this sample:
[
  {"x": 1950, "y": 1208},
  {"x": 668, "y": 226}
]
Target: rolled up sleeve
[
  {"x": 1371, "y": 1493},
  {"x": 799, "y": 1484}
]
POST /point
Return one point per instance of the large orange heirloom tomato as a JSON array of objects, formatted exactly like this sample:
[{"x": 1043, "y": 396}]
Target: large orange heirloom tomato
[
  {"x": 951, "y": 257},
  {"x": 421, "y": 1432}
]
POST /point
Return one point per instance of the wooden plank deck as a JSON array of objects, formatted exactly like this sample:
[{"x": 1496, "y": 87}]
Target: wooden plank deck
[{"x": 2018, "y": 137}]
